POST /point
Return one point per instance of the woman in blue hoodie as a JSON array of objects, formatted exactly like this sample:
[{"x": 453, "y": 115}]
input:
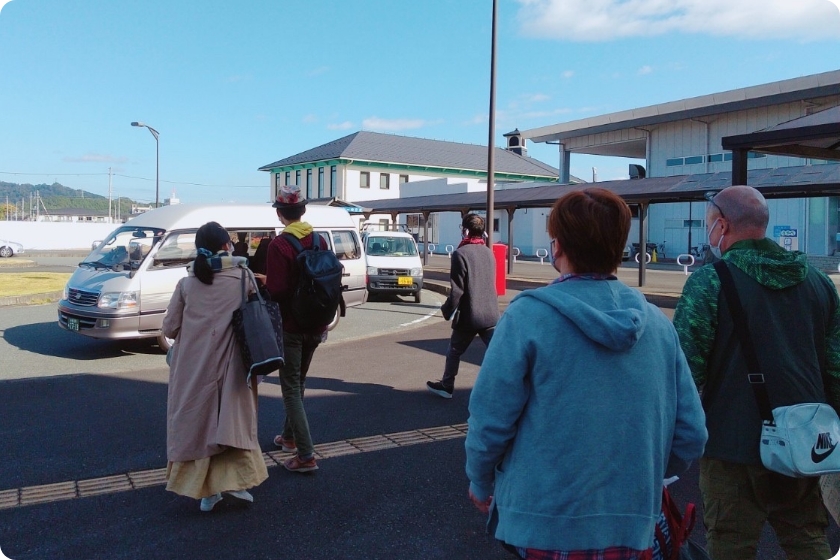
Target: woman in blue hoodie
[{"x": 584, "y": 402}]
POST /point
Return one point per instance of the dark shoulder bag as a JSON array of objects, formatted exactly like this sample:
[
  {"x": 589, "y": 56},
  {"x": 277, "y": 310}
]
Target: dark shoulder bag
[{"x": 259, "y": 331}]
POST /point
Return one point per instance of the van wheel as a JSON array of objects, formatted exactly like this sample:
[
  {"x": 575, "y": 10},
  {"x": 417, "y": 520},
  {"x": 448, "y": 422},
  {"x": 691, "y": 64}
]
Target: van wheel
[
  {"x": 165, "y": 343},
  {"x": 417, "y": 296}
]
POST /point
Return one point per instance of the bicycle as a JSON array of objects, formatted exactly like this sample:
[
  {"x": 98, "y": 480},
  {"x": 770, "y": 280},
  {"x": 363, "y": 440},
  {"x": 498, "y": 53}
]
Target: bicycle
[
  {"x": 699, "y": 253},
  {"x": 660, "y": 250}
]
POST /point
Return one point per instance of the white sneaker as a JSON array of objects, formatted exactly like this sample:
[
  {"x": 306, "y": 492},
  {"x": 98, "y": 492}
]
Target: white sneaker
[
  {"x": 242, "y": 495},
  {"x": 208, "y": 503}
]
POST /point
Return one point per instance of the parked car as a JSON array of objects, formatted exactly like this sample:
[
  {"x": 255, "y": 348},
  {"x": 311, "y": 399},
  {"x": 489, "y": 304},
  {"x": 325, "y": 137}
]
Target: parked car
[
  {"x": 123, "y": 286},
  {"x": 393, "y": 263},
  {"x": 10, "y": 248}
]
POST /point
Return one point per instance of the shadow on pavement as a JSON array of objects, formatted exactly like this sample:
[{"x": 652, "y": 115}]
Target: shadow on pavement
[{"x": 48, "y": 339}]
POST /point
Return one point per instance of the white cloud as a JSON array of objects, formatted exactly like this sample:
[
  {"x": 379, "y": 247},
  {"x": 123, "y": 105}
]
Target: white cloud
[
  {"x": 340, "y": 126},
  {"x": 476, "y": 120},
  {"x": 567, "y": 74},
  {"x": 310, "y": 118},
  {"x": 375, "y": 123},
  {"x": 3, "y": 3},
  {"x": 644, "y": 70},
  {"x": 96, "y": 158},
  {"x": 535, "y": 97},
  {"x": 318, "y": 71},
  {"x": 604, "y": 20}
]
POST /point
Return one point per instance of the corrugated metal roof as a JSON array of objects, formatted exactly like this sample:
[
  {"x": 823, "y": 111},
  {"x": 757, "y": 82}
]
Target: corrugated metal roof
[
  {"x": 783, "y": 182},
  {"x": 814, "y": 136},
  {"x": 828, "y": 116},
  {"x": 376, "y": 147},
  {"x": 784, "y": 91}
]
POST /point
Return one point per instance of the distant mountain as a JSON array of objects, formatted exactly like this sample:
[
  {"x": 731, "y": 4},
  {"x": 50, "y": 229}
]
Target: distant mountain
[{"x": 57, "y": 197}]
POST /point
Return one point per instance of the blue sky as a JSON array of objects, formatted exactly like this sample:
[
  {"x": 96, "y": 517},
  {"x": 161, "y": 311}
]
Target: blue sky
[{"x": 232, "y": 86}]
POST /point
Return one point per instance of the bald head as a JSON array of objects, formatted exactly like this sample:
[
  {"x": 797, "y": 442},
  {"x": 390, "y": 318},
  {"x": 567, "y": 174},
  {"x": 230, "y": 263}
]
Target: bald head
[{"x": 745, "y": 210}]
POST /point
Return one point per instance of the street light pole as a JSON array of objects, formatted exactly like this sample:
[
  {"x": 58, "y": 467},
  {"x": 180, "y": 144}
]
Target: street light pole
[
  {"x": 491, "y": 149},
  {"x": 157, "y": 160}
]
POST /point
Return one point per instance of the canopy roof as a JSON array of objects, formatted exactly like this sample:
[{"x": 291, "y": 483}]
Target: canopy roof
[
  {"x": 783, "y": 182},
  {"x": 812, "y": 136}
]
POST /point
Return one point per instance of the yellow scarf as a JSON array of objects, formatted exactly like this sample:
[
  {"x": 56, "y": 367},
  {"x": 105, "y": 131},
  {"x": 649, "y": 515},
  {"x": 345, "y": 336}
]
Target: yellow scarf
[{"x": 298, "y": 229}]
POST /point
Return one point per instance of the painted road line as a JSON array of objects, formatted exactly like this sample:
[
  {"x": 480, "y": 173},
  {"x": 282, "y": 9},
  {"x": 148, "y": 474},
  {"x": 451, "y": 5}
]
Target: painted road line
[
  {"x": 421, "y": 319},
  {"x": 75, "y": 489}
]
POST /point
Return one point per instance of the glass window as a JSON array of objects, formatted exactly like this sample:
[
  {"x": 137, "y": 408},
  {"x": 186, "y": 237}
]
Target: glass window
[
  {"x": 674, "y": 162},
  {"x": 288, "y": 176},
  {"x": 178, "y": 249},
  {"x": 333, "y": 179},
  {"x": 320, "y": 182},
  {"x": 715, "y": 157},
  {"x": 693, "y": 160},
  {"x": 692, "y": 223},
  {"x": 309, "y": 183},
  {"x": 297, "y": 177},
  {"x": 124, "y": 249},
  {"x": 727, "y": 156},
  {"x": 364, "y": 179},
  {"x": 384, "y": 181},
  {"x": 346, "y": 244},
  {"x": 277, "y": 182},
  {"x": 380, "y": 245},
  {"x": 403, "y": 179}
]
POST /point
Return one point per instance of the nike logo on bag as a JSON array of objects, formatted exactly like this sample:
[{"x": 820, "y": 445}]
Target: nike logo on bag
[{"x": 823, "y": 442}]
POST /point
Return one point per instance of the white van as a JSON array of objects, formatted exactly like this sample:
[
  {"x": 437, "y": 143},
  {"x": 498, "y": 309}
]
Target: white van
[
  {"x": 393, "y": 263},
  {"x": 122, "y": 288}
]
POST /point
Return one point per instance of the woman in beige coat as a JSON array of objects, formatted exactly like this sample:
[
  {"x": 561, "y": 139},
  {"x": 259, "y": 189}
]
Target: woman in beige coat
[{"x": 211, "y": 425}]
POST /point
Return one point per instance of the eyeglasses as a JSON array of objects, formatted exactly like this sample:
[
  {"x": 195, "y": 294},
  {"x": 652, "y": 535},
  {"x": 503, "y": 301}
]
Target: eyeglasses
[{"x": 710, "y": 198}]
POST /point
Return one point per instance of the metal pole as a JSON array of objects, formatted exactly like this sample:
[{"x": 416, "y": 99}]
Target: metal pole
[
  {"x": 642, "y": 255},
  {"x": 109, "y": 195},
  {"x": 157, "y": 172},
  {"x": 491, "y": 179}
]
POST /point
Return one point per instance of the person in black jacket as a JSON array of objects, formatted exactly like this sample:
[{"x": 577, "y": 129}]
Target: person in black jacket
[{"x": 472, "y": 304}]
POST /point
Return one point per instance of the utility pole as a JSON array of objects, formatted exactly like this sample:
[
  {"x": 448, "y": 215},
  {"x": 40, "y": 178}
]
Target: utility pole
[
  {"x": 109, "y": 195},
  {"x": 491, "y": 150}
]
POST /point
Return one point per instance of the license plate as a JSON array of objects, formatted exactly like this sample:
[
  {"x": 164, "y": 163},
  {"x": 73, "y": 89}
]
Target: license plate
[
  {"x": 72, "y": 324},
  {"x": 404, "y": 281}
]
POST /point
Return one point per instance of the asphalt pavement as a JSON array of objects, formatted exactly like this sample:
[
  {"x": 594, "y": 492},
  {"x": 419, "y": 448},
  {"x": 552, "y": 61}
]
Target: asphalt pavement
[{"x": 84, "y": 453}]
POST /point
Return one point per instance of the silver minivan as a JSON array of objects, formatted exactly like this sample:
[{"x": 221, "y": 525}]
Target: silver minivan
[{"x": 122, "y": 288}]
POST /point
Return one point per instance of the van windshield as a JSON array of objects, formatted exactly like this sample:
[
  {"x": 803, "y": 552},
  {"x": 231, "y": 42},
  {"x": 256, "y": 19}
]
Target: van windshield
[
  {"x": 391, "y": 246},
  {"x": 124, "y": 249}
]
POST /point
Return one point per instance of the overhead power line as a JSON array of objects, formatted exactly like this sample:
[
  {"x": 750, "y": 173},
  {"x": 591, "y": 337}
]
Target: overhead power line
[{"x": 138, "y": 178}]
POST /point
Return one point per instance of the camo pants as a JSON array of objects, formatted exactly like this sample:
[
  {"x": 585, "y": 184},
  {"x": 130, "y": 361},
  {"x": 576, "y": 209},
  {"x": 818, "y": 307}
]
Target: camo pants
[{"x": 738, "y": 499}]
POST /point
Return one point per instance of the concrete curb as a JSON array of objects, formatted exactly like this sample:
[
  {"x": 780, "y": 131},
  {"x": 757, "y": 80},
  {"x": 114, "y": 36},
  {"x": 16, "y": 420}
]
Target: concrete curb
[
  {"x": 31, "y": 299},
  {"x": 17, "y": 263}
]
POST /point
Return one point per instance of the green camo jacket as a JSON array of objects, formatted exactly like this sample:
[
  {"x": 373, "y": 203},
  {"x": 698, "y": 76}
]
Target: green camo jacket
[{"x": 696, "y": 315}]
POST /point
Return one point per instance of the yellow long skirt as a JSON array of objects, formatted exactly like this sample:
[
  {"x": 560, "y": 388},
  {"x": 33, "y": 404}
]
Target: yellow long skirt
[{"x": 231, "y": 470}]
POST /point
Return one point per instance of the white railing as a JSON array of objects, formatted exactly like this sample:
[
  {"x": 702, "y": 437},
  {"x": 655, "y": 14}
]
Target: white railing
[
  {"x": 647, "y": 257},
  {"x": 684, "y": 264},
  {"x": 449, "y": 250},
  {"x": 542, "y": 254},
  {"x": 516, "y": 253}
]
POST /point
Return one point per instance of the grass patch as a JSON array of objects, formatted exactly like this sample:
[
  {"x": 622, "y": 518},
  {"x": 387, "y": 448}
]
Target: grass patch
[{"x": 28, "y": 283}]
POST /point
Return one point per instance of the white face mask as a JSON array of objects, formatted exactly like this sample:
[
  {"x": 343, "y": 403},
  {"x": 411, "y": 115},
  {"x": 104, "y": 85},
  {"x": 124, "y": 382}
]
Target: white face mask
[{"x": 715, "y": 249}]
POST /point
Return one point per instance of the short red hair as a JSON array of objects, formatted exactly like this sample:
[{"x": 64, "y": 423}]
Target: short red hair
[{"x": 591, "y": 228}]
